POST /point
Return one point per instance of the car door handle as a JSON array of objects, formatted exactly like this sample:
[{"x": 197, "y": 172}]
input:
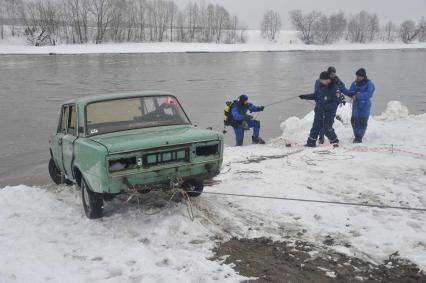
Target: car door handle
[{"x": 60, "y": 141}]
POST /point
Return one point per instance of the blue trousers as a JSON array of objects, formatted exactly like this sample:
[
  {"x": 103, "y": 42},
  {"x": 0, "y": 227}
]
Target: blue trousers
[
  {"x": 323, "y": 120},
  {"x": 359, "y": 120},
  {"x": 239, "y": 131}
]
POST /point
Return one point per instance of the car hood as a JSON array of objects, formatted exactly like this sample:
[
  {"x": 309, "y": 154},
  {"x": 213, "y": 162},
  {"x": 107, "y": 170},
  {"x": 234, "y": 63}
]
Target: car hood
[{"x": 141, "y": 139}]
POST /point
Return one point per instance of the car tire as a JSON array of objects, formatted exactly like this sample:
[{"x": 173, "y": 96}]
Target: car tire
[
  {"x": 54, "y": 172},
  {"x": 109, "y": 197},
  {"x": 92, "y": 202},
  {"x": 194, "y": 187}
]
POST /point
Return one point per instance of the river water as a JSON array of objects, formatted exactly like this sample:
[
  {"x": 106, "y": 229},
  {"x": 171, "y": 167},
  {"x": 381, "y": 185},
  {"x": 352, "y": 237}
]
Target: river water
[{"x": 32, "y": 89}]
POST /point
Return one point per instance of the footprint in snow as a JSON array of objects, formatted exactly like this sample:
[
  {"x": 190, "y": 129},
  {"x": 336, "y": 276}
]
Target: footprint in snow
[{"x": 165, "y": 262}]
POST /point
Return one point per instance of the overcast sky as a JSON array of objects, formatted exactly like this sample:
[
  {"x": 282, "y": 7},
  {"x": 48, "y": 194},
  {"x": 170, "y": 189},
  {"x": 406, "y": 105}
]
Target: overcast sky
[{"x": 251, "y": 11}]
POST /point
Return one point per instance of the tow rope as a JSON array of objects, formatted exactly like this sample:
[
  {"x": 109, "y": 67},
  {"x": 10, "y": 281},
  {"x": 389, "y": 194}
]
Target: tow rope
[{"x": 320, "y": 201}]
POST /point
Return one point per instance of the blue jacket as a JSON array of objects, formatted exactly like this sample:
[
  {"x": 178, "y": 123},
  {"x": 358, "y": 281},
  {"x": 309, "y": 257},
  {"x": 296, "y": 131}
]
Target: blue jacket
[
  {"x": 326, "y": 97},
  {"x": 365, "y": 91},
  {"x": 340, "y": 85},
  {"x": 239, "y": 112}
]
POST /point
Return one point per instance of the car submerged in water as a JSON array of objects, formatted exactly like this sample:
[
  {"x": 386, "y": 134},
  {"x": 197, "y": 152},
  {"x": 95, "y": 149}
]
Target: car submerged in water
[{"x": 130, "y": 142}]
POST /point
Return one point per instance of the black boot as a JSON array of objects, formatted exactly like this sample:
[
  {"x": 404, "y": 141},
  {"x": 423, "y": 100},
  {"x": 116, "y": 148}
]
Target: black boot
[
  {"x": 321, "y": 141},
  {"x": 335, "y": 143},
  {"x": 257, "y": 140},
  {"x": 311, "y": 143},
  {"x": 357, "y": 140}
]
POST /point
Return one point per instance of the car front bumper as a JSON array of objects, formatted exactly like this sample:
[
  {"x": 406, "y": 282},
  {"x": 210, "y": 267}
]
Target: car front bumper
[{"x": 161, "y": 177}]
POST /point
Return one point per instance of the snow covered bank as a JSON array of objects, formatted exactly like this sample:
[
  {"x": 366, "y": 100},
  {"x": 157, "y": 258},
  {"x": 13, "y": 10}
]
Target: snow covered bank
[
  {"x": 46, "y": 236},
  {"x": 287, "y": 41}
]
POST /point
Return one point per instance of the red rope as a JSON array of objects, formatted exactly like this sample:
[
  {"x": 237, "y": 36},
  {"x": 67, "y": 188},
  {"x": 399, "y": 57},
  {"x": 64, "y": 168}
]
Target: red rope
[{"x": 391, "y": 149}]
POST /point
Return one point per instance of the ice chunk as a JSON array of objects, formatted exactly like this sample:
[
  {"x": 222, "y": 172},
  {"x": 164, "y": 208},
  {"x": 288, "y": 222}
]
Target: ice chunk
[{"x": 394, "y": 110}]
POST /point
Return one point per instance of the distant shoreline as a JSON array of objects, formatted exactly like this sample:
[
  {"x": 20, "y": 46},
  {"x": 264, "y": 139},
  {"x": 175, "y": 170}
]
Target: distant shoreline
[{"x": 195, "y": 48}]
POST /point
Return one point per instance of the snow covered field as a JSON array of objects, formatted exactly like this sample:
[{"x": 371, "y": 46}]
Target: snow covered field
[
  {"x": 287, "y": 41},
  {"x": 45, "y": 235}
]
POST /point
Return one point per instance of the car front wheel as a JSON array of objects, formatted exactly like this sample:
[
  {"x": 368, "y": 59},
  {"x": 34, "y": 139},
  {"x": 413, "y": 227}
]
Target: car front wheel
[
  {"x": 193, "y": 187},
  {"x": 54, "y": 172},
  {"x": 92, "y": 202}
]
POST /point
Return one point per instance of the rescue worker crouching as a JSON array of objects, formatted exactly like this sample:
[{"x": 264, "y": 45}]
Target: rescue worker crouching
[
  {"x": 241, "y": 121},
  {"x": 327, "y": 99}
]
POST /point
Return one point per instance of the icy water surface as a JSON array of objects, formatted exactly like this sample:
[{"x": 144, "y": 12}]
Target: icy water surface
[{"x": 33, "y": 87}]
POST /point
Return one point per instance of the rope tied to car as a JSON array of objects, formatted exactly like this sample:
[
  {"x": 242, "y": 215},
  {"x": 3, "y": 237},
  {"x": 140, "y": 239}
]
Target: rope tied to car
[
  {"x": 176, "y": 187},
  {"x": 319, "y": 201}
]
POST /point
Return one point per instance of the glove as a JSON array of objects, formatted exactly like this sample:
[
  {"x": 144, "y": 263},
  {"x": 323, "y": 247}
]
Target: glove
[
  {"x": 302, "y": 96},
  {"x": 248, "y": 117},
  {"x": 261, "y": 108}
]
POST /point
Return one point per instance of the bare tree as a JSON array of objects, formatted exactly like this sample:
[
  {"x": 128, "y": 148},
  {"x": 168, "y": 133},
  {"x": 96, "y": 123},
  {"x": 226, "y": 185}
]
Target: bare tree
[
  {"x": 357, "y": 27},
  {"x": 173, "y": 9},
  {"x": 373, "y": 27},
  {"x": 102, "y": 12},
  {"x": 221, "y": 21},
  {"x": 408, "y": 31},
  {"x": 232, "y": 36},
  {"x": 271, "y": 24},
  {"x": 192, "y": 11},
  {"x": 118, "y": 13},
  {"x": 2, "y": 18},
  {"x": 78, "y": 20},
  {"x": 422, "y": 28},
  {"x": 338, "y": 24},
  {"x": 44, "y": 22},
  {"x": 329, "y": 29},
  {"x": 181, "y": 35},
  {"x": 12, "y": 9},
  {"x": 390, "y": 31},
  {"x": 141, "y": 11},
  {"x": 305, "y": 24}
]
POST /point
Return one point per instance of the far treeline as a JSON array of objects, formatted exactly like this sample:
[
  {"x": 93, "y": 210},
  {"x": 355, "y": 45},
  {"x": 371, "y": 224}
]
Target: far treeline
[
  {"x": 51, "y": 22},
  {"x": 318, "y": 28}
]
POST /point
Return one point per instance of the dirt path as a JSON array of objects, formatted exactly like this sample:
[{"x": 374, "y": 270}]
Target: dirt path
[{"x": 300, "y": 261}]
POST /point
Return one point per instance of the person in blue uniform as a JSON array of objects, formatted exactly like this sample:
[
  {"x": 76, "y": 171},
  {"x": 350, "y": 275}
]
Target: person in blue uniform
[
  {"x": 340, "y": 88},
  {"x": 242, "y": 121},
  {"x": 361, "y": 91},
  {"x": 327, "y": 99}
]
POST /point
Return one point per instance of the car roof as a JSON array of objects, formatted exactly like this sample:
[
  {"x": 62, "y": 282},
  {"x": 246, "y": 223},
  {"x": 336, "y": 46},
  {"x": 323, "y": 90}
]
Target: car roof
[{"x": 116, "y": 95}]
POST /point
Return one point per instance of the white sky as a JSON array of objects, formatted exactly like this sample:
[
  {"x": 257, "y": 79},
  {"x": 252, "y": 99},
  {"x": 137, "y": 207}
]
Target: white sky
[{"x": 251, "y": 11}]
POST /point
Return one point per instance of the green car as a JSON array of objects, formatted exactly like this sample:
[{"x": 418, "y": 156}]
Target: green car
[{"x": 130, "y": 143}]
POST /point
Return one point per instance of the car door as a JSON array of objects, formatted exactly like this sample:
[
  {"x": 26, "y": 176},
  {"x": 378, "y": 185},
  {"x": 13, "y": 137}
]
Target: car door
[
  {"x": 57, "y": 139},
  {"x": 68, "y": 140}
]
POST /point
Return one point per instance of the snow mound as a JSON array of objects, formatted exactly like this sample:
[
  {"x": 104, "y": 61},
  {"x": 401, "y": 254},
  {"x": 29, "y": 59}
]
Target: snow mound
[
  {"x": 294, "y": 126},
  {"x": 394, "y": 110},
  {"x": 378, "y": 132}
]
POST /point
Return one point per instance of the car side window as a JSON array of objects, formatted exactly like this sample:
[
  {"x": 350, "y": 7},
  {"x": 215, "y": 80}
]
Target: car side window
[
  {"x": 63, "y": 123},
  {"x": 72, "y": 118}
]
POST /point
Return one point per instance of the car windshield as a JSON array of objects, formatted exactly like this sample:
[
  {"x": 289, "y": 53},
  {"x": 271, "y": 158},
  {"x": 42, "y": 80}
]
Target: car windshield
[{"x": 133, "y": 113}]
